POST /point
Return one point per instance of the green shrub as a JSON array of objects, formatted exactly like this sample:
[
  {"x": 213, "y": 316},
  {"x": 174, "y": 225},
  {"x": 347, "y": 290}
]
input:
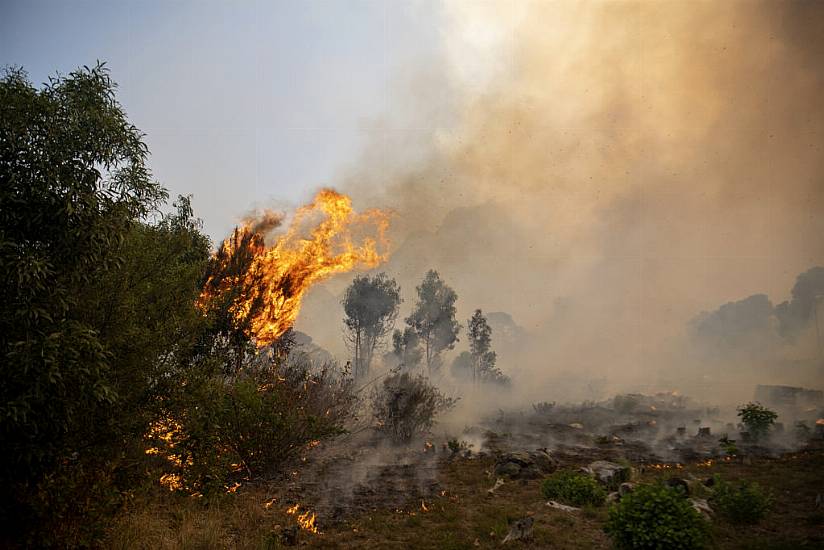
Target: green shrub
[
  {"x": 573, "y": 488},
  {"x": 656, "y": 516},
  {"x": 757, "y": 419},
  {"x": 745, "y": 503}
]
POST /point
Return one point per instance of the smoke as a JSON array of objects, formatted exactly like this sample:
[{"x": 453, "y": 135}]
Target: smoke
[{"x": 606, "y": 172}]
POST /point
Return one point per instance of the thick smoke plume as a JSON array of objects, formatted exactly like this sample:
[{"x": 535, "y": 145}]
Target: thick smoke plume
[{"x": 607, "y": 171}]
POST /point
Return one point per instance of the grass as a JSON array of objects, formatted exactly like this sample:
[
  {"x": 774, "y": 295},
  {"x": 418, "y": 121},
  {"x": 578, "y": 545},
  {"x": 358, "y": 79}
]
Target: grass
[{"x": 463, "y": 516}]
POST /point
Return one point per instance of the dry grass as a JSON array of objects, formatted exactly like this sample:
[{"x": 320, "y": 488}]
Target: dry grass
[{"x": 463, "y": 516}]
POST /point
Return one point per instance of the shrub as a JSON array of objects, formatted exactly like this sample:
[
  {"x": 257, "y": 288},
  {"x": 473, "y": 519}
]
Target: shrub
[
  {"x": 249, "y": 423},
  {"x": 656, "y": 516},
  {"x": 757, "y": 419},
  {"x": 573, "y": 488},
  {"x": 406, "y": 405},
  {"x": 744, "y": 503}
]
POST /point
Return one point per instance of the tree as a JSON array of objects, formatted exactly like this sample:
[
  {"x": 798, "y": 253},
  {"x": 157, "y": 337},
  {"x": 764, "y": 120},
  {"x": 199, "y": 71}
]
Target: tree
[
  {"x": 371, "y": 307},
  {"x": 757, "y": 419},
  {"x": 96, "y": 303},
  {"x": 406, "y": 348},
  {"x": 433, "y": 318},
  {"x": 480, "y": 342}
]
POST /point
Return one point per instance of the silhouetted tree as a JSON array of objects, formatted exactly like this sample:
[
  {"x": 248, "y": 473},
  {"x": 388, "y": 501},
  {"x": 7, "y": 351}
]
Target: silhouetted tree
[
  {"x": 433, "y": 319},
  {"x": 406, "y": 349},
  {"x": 371, "y": 307},
  {"x": 480, "y": 342}
]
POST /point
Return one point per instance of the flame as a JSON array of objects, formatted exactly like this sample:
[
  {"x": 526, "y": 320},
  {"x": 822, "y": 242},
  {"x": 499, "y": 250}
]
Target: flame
[
  {"x": 306, "y": 520},
  {"x": 325, "y": 237},
  {"x": 819, "y": 422}
]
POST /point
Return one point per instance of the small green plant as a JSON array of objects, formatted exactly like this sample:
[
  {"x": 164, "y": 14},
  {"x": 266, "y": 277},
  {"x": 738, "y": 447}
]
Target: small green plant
[
  {"x": 456, "y": 446},
  {"x": 757, "y": 419},
  {"x": 656, "y": 516},
  {"x": 573, "y": 488},
  {"x": 728, "y": 446},
  {"x": 743, "y": 503}
]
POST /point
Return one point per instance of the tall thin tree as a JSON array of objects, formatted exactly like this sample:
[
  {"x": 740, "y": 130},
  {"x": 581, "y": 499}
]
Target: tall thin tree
[{"x": 371, "y": 307}]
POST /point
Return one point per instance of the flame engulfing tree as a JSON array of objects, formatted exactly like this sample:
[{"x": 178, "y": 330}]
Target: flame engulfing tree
[
  {"x": 371, "y": 307},
  {"x": 262, "y": 287},
  {"x": 433, "y": 319}
]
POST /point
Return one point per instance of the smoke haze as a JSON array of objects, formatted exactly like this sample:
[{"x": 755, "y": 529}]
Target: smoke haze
[{"x": 604, "y": 172}]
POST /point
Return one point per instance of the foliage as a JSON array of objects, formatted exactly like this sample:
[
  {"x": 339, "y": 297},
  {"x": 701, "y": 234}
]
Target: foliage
[
  {"x": 433, "y": 318},
  {"x": 92, "y": 303},
  {"x": 656, "y": 516},
  {"x": 371, "y": 307},
  {"x": 744, "y": 503},
  {"x": 406, "y": 349},
  {"x": 573, "y": 488},
  {"x": 757, "y": 419},
  {"x": 252, "y": 422},
  {"x": 406, "y": 405}
]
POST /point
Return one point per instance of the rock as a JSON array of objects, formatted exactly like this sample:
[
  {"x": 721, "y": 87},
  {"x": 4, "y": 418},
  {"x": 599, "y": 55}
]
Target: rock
[
  {"x": 608, "y": 473},
  {"x": 525, "y": 464},
  {"x": 520, "y": 529},
  {"x": 702, "y": 507},
  {"x": 498, "y": 483},
  {"x": 613, "y": 497},
  {"x": 677, "y": 482},
  {"x": 577, "y": 426},
  {"x": 626, "y": 488},
  {"x": 562, "y": 507}
]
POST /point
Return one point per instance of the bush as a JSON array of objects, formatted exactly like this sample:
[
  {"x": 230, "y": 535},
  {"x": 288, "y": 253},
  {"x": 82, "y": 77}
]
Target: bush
[
  {"x": 249, "y": 423},
  {"x": 573, "y": 488},
  {"x": 406, "y": 405},
  {"x": 757, "y": 419},
  {"x": 656, "y": 516},
  {"x": 743, "y": 503}
]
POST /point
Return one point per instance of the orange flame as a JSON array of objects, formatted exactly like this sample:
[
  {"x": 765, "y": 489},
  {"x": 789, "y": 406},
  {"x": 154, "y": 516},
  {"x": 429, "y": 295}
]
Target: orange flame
[
  {"x": 306, "y": 520},
  {"x": 325, "y": 237}
]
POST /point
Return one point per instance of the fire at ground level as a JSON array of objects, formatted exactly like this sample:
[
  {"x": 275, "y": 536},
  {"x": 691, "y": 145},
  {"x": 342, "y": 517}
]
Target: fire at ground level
[{"x": 483, "y": 485}]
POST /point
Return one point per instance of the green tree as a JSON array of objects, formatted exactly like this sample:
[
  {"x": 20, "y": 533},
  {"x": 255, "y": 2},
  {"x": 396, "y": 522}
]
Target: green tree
[
  {"x": 757, "y": 419},
  {"x": 433, "y": 318},
  {"x": 371, "y": 307},
  {"x": 93, "y": 300}
]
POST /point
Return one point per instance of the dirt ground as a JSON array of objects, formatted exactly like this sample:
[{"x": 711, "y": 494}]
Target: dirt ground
[{"x": 393, "y": 503}]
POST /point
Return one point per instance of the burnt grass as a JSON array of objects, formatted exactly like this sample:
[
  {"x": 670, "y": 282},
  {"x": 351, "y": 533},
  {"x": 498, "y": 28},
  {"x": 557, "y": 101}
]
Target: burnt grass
[{"x": 394, "y": 505}]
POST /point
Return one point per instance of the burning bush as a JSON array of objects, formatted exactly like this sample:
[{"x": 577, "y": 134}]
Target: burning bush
[
  {"x": 251, "y": 423},
  {"x": 656, "y": 516},
  {"x": 745, "y": 502},
  {"x": 406, "y": 405},
  {"x": 573, "y": 488}
]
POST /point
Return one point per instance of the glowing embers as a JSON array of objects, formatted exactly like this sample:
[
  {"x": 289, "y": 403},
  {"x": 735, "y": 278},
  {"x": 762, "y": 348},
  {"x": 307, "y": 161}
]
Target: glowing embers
[
  {"x": 263, "y": 285},
  {"x": 306, "y": 519}
]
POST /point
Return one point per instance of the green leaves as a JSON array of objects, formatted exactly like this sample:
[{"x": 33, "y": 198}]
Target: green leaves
[
  {"x": 656, "y": 517},
  {"x": 757, "y": 419},
  {"x": 573, "y": 488}
]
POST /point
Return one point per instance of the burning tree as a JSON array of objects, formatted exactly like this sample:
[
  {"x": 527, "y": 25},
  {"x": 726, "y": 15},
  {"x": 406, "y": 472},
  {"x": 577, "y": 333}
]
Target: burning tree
[
  {"x": 433, "y": 318},
  {"x": 371, "y": 307},
  {"x": 260, "y": 288}
]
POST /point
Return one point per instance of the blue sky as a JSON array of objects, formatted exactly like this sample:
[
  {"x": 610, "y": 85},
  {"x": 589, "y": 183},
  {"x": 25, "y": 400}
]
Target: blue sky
[{"x": 244, "y": 104}]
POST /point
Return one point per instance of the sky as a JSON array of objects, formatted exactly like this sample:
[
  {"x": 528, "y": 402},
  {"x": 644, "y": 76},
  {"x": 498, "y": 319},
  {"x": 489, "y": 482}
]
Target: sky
[
  {"x": 244, "y": 104},
  {"x": 602, "y": 171}
]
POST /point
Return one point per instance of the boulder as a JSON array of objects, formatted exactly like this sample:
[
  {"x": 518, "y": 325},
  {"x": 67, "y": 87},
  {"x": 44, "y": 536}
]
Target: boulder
[
  {"x": 608, "y": 473},
  {"x": 525, "y": 464},
  {"x": 701, "y": 507}
]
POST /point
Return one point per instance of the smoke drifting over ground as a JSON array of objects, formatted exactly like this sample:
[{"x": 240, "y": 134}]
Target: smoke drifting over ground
[{"x": 606, "y": 172}]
